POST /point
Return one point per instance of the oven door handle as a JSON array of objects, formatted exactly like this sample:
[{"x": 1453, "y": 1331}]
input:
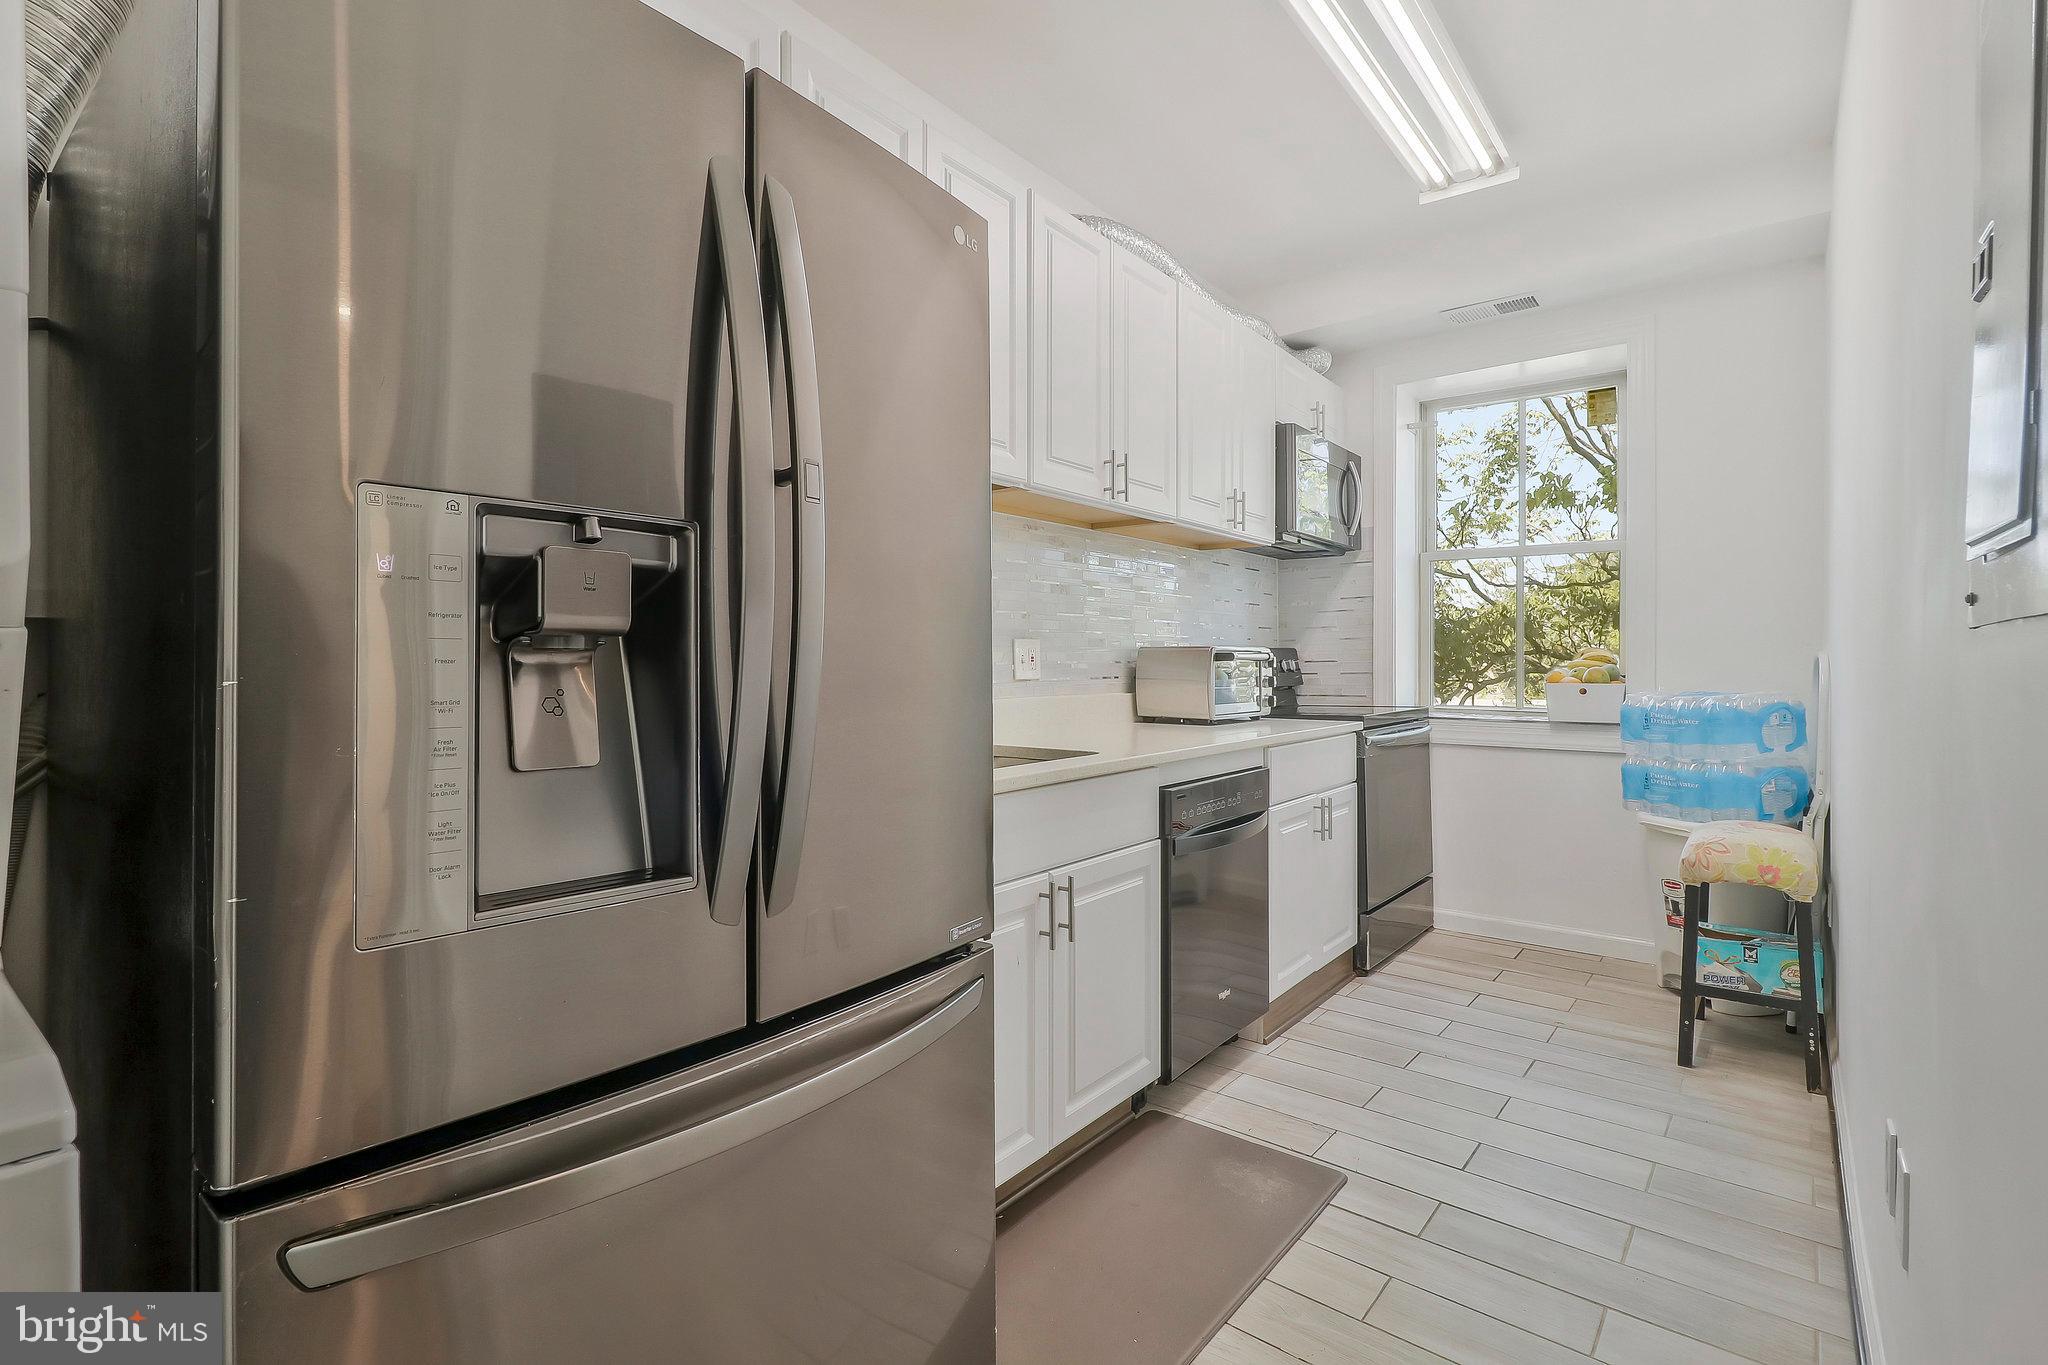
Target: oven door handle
[
  {"x": 1398, "y": 739},
  {"x": 1236, "y": 832}
]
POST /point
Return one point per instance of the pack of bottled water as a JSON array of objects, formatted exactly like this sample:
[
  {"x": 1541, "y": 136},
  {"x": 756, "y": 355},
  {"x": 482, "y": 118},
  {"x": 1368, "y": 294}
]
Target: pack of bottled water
[{"x": 1715, "y": 755}]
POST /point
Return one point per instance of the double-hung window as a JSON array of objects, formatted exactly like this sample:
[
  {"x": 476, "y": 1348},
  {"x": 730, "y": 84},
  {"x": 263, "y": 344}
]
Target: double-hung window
[{"x": 1522, "y": 562}]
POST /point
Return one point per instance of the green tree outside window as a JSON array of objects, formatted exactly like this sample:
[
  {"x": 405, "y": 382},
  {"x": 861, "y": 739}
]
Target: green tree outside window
[{"x": 1525, "y": 567}]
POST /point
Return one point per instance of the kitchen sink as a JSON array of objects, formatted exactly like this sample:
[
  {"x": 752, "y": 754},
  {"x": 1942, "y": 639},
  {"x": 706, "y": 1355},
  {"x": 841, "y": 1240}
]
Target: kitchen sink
[{"x": 1011, "y": 756}]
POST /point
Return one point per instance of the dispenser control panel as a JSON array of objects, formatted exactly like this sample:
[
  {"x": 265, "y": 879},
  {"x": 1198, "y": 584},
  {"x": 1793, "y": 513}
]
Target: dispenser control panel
[{"x": 415, "y": 691}]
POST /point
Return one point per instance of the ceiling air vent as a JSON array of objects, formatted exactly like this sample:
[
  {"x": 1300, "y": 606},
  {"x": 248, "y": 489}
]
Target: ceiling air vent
[{"x": 1491, "y": 308}]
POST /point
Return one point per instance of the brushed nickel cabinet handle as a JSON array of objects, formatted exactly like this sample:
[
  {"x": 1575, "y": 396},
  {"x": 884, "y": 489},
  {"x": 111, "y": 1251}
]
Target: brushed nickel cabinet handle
[
  {"x": 1069, "y": 925},
  {"x": 1050, "y": 933}
]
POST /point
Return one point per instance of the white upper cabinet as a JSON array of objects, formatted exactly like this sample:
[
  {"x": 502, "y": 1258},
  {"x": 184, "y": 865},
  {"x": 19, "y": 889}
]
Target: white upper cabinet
[
  {"x": 1310, "y": 400},
  {"x": 1209, "y": 483},
  {"x": 852, "y": 101},
  {"x": 1069, "y": 338},
  {"x": 1144, "y": 331},
  {"x": 735, "y": 27},
  {"x": 1000, "y": 200},
  {"x": 1254, "y": 361}
]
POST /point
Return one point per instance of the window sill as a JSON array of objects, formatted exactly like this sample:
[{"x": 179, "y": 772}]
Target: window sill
[{"x": 1521, "y": 732}]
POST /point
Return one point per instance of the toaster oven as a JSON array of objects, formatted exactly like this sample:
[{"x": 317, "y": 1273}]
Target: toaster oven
[{"x": 1204, "y": 684}]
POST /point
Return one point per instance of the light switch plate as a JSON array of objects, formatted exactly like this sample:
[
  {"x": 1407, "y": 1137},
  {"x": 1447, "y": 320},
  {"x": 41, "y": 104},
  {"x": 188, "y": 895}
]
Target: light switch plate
[{"x": 1024, "y": 655}]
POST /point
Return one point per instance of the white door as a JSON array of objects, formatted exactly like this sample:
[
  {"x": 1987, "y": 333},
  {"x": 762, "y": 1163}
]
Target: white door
[
  {"x": 1207, "y": 415},
  {"x": 736, "y": 27},
  {"x": 1294, "y": 891},
  {"x": 1069, "y": 427},
  {"x": 1332, "y": 399},
  {"x": 852, "y": 100},
  {"x": 1337, "y": 931},
  {"x": 1000, "y": 201},
  {"x": 1105, "y": 986},
  {"x": 1295, "y": 393},
  {"x": 1023, "y": 1023},
  {"x": 1255, "y": 360},
  {"x": 1144, "y": 332}
]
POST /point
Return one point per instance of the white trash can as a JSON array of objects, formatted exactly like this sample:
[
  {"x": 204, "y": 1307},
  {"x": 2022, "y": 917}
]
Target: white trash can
[{"x": 1748, "y": 907}]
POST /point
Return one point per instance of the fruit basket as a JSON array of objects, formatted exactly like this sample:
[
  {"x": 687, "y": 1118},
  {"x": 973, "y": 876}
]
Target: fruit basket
[{"x": 1586, "y": 690}]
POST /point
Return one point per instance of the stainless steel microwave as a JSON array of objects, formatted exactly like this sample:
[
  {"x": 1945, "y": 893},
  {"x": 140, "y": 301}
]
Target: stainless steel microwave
[
  {"x": 1204, "y": 684},
  {"x": 1320, "y": 496}
]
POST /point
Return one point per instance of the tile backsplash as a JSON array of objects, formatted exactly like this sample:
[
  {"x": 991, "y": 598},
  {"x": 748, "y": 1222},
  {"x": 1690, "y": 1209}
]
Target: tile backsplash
[
  {"x": 1091, "y": 598},
  {"x": 1326, "y": 613}
]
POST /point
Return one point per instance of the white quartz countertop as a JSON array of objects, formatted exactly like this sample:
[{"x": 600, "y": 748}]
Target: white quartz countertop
[{"x": 1117, "y": 742}]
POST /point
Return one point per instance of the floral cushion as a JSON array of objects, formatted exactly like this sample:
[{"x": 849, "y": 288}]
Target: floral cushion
[{"x": 1752, "y": 853}]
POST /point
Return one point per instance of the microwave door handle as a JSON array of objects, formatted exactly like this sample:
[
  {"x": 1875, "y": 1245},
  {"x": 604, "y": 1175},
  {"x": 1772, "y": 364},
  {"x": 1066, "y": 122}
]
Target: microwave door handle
[
  {"x": 1355, "y": 485},
  {"x": 783, "y": 259},
  {"x": 346, "y": 1253},
  {"x": 731, "y": 236}
]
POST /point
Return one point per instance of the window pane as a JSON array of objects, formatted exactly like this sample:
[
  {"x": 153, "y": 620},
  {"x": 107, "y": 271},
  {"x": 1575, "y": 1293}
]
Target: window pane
[
  {"x": 1476, "y": 455},
  {"x": 1475, "y": 632},
  {"x": 1574, "y": 448},
  {"x": 1570, "y": 603}
]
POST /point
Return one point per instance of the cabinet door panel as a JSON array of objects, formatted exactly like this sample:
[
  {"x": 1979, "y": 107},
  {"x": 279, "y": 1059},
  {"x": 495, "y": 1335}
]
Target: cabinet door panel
[
  {"x": 1069, "y": 427},
  {"x": 1144, "y": 381},
  {"x": 1207, "y": 414},
  {"x": 1023, "y": 1024},
  {"x": 1255, "y": 362},
  {"x": 1105, "y": 1034},
  {"x": 1294, "y": 890},
  {"x": 853, "y": 101},
  {"x": 1001, "y": 201},
  {"x": 1338, "y": 927}
]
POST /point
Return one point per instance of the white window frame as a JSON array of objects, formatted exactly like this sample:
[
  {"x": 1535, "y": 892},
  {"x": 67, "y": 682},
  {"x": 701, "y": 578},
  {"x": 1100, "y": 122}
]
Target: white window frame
[{"x": 1431, "y": 555}]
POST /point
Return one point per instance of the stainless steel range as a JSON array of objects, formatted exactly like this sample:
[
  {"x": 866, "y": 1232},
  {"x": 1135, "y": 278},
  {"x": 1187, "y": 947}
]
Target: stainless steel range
[
  {"x": 1396, "y": 893},
  {"x": 483, "y": 420}
]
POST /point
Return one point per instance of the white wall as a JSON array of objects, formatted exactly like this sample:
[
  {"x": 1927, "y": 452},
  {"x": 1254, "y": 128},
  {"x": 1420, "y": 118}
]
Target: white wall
[
  {"x": 1725, "y": 509},
  {"x": 1940, "y": 745}
]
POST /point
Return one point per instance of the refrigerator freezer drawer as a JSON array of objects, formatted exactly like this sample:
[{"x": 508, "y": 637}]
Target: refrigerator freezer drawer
[{"x": 820, "y": 1195}]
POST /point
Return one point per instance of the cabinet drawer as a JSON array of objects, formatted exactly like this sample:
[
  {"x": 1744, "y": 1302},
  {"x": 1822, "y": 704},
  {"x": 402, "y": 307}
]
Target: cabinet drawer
[{"x": 1317, "y": 766}]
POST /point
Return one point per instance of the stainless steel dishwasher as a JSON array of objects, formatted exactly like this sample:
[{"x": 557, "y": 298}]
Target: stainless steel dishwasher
[{"x": 1213, "y": 913}]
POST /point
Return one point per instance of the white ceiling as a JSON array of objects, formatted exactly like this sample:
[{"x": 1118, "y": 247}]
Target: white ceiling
[{"x": 1657, "y": 138}]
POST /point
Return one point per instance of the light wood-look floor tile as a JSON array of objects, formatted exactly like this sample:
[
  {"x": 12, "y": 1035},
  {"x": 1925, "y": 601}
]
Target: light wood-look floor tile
[
  {"x": 1235, "y": 1346},
  {"x": 1531, "y": 1178},
  {"x": 1473, "y": 1281},
  {"x": 1683, "y": 1308},
  {"x": 1458, "y": 1333},
  {"x": 1321, "y": 1335}
]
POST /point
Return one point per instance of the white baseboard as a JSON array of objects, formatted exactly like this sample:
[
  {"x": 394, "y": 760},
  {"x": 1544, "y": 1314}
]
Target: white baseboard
[
  {"x": 1871, "y": 1340},
  {"x": 1546, "y": 935}
]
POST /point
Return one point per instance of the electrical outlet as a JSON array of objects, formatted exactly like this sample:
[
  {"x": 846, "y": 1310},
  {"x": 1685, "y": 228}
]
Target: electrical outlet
[
  {"x": 1905, "y": 1214},
  {"x": 1024, "y": 657},
  {"x": 1891, "y": 1167}
]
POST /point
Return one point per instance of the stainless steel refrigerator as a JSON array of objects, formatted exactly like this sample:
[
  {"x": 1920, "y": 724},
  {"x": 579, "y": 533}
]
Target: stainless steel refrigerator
[{"x": 522, "y": 693}]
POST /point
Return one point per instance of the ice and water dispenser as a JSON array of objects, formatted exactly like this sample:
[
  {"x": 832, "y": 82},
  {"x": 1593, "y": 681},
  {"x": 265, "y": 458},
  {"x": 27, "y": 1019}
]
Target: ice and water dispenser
[{"x": 524, "y": 701}]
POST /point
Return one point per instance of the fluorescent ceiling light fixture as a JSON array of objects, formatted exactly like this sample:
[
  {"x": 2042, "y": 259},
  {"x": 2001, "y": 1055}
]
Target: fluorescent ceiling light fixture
[{"x": 1458, "y": 148}]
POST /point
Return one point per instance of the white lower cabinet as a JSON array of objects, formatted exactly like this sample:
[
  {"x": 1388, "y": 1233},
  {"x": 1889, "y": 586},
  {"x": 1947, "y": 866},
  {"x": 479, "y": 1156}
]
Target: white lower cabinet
[
  {"x": 1076, "y": 998},
  {"x": 1312, "y": 888}
]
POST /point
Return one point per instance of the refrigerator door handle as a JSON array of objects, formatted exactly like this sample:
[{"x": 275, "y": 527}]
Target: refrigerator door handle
[
  {"x": 795, "y": 345},
  {"x": 747, "y": 336},
  {"x": 330, "y": 1258}
]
